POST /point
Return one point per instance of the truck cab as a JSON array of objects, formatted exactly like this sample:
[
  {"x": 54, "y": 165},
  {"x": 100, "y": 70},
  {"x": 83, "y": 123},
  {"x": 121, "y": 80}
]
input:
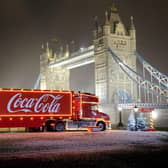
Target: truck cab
[{"x": 87, "y": 110}]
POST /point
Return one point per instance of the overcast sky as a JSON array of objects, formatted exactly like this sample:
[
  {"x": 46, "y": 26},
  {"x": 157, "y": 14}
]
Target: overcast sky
[{"x": 26, "y": 24}]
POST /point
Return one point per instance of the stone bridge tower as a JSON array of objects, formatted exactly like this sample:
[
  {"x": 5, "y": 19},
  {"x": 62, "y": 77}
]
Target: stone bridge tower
[
  {"x": 112, "y": 85},
  {"x": 54, "y": 78}
]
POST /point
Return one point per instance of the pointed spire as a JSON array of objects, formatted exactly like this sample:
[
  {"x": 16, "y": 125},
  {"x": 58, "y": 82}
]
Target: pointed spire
[
  {"x": 47, "y": 50},
  {"x": 55, "y": 57},
  {"x": 67, "y": 51},
  {"x": 114, "y": 16},
  {"x": 42, "y": 46},
  {"x": 132, "y": 27},
  {"x": 107, "y": 19},
  {"x": 114, "y": 8},
  {"x": 61, "y": 50},
  {"x": 96, "y": 22},
  {"x": 72, "y": 46}
]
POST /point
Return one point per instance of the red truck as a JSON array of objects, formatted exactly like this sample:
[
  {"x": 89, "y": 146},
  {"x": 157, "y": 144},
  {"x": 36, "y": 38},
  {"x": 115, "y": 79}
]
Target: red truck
[{"x": 50, "y": 110}]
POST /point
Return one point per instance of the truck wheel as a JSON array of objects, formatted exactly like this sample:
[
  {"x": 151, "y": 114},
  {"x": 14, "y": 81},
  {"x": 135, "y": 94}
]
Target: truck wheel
[
  {"x": 60, "y": 127},
  {"x": 102, "y": 125}
]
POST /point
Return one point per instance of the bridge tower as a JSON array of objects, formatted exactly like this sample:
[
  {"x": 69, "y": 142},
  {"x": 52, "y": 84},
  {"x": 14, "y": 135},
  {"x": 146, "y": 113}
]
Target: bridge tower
[
  {"x": 54, "y": 78},
  {"x": 112, "y": 85}
]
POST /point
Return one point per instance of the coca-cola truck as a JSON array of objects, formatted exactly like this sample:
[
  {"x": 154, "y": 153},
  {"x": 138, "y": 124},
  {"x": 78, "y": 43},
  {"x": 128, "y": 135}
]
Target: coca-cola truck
[{"x": 49, "y": 110}]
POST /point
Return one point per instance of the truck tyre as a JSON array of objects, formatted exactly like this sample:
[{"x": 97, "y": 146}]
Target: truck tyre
[
  {"x": 102, "y": 125},
  {"x": 59, "y": 127}
]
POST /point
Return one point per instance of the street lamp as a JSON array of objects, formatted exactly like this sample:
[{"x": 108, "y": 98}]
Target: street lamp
[
  {"x": 136, "y": 110},
  {"x": 120, "y": 124}
]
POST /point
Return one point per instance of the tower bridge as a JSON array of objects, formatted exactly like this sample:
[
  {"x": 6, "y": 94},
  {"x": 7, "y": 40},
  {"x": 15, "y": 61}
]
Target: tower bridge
[{"x": 117, "y": 82}]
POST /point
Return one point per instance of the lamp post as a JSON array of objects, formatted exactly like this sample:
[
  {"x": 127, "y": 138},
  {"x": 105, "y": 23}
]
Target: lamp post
[
  {"x": 120, "y": 124},
  {"x": 136, "y": 111}
]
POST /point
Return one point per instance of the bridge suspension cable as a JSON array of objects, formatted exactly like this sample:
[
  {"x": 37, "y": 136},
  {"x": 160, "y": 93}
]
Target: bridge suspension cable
[
  {"x": 162, "y": 78},
  {"x": 141, "y": 81}
]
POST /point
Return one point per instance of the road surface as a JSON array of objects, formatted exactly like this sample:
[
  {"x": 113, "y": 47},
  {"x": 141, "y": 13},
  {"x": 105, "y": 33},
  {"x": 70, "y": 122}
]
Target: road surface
[{"x": 83, "y": 149}]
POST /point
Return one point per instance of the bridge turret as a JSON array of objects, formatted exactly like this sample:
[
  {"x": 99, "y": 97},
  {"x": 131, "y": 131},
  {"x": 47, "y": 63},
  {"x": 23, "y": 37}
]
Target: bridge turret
[
  {"x": 49, "y": 53},
  {"x": 114, "y": 9},
  {"x": 60, "y": 54},
  {"x": 120, "y": 29},
  {"x": 47, "y": 50},
  {"x": 132, "y": 30},
  {"x": 72, "y": 46},
  {"x": 114, "y": 18},
  {"x": 132, "y": 33},
  {"x": 107, "y": 18},
  {"x": 96, "y": 23},
  {"x": 44, "y": 58},
  {"x": 66, "y": 54},
  {"x": 107, "y": 24},
  {"x": 98, "y": 32}
]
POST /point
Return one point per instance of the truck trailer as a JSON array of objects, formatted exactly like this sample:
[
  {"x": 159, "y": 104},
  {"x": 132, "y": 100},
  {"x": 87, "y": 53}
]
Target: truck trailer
[{"x": 50, "y": 110}]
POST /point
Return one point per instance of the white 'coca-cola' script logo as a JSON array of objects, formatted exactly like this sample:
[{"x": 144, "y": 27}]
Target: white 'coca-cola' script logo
[{"x": 17, "y": 104}]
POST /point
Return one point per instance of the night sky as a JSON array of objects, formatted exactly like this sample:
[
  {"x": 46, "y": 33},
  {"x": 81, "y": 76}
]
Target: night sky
[{"x": 26, "y": 24}]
